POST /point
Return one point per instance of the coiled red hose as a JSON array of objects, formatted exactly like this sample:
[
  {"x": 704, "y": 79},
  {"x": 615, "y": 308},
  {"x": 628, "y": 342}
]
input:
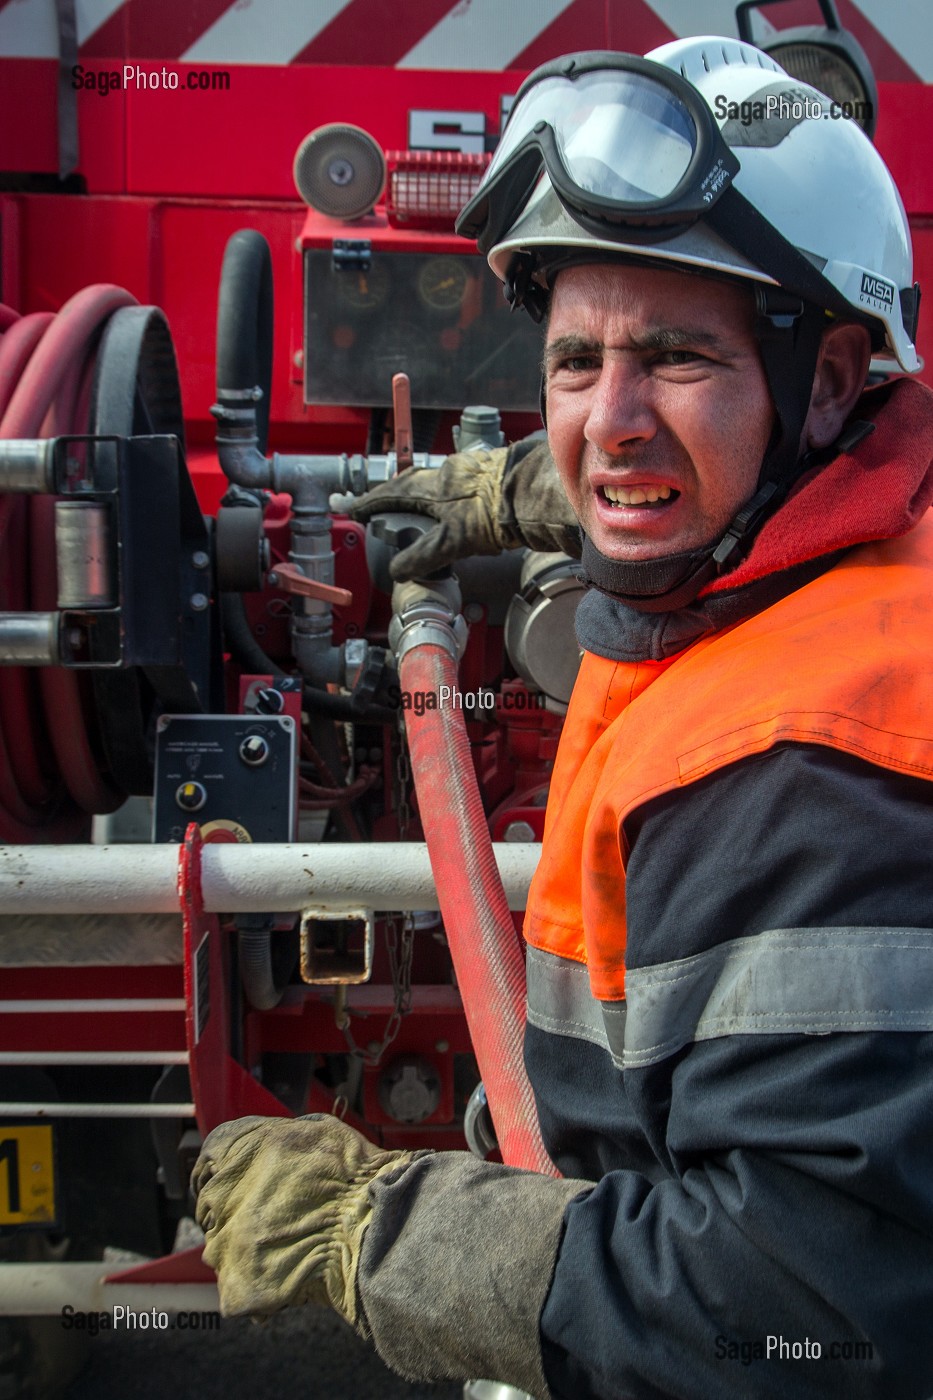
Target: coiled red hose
[
  {"x": 484, "y": 945},
  {"x": 49, "y": 776}
]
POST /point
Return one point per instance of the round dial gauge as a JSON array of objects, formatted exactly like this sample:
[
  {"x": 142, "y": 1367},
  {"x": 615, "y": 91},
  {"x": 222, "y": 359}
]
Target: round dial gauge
[
  {"x": 442, "y": 283},
  {"x": 364, "y": 290}
]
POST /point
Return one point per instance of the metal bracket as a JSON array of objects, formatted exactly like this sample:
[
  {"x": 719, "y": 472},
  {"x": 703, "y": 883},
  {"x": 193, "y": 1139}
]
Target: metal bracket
[
  {"x": 336, "y": 945},
  {"x": 352, "y": 254}
]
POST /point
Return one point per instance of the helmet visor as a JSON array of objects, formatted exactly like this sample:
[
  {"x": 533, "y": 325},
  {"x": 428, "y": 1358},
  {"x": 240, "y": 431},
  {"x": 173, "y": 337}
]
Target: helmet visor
[{"x": 623, "y": 141}]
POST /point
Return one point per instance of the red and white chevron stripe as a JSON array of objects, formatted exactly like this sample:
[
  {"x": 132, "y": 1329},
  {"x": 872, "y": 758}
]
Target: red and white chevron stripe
[{"x": 471, "y": 35}]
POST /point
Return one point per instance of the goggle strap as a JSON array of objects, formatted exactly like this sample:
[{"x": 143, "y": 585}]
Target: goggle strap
[
  {"x": 746, "y": 230},
  {"x": 789, "y": 338}
]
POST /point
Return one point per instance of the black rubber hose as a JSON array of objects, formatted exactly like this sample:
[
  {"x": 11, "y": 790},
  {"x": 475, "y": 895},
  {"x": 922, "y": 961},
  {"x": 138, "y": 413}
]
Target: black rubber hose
[
  {"x": 244, "y": 322},
  {"x": 238, "y": 636},
  {"x": 324, "y": 702}
]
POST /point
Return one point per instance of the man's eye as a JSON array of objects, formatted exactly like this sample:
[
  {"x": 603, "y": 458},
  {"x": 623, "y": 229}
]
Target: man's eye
[
  {"x": 680, "y": 357},
  {"x": 578, "y": 364}
]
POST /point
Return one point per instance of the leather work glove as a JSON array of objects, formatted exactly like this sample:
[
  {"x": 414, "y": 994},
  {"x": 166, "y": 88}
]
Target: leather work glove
[
  {"x": 284, "y": 1205},
  {"x": 442, "y": 1261},
  {"x": 484, "y": 501}
]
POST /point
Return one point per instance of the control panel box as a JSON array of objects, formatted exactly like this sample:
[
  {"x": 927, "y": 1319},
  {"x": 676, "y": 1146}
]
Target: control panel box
[
  {"x": 235, "y": 775},
  {"x": 380, "y": 300}
]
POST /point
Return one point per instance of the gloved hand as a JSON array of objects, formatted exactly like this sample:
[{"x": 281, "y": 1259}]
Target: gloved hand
[
  {"x": 284, "y": 1204},
  {"x": 484, "y": 501}
]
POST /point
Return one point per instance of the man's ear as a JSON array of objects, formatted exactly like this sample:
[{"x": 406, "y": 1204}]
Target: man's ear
[{"x": 841, "y": 372}]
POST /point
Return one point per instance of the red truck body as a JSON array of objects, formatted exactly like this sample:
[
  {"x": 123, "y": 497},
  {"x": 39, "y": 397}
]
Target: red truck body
[{"x": 165, "y": 173}]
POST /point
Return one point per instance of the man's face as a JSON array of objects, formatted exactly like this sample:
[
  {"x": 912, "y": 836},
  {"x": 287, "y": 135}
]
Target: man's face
[{"x": 657, "y": 404}]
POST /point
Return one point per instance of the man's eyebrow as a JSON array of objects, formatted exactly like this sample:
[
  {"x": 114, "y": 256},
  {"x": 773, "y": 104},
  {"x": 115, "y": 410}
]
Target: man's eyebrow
[
  {"x": 675, "y": 337},
  {"x": 655, "y": 338},
  {"x": 568, "y": 345}
]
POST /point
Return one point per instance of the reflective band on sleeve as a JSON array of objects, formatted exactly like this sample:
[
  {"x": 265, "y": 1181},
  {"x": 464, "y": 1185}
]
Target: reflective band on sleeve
[
  {"x": 560, "y": 1001},
  {"x": 804, "y": 981}
]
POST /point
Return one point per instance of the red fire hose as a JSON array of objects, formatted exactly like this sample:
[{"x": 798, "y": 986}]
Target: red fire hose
[
  {"x": 49, "y": 777},
  {"x": 484, "y": 945}
]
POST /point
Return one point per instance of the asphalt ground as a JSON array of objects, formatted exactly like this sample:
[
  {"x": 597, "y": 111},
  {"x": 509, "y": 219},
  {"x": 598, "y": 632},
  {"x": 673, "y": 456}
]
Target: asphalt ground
[{"x": 307, "y": 1352}]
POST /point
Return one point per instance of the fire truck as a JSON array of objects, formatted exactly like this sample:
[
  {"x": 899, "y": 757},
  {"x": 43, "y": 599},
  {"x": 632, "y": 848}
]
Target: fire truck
[{"x": 240, "y": 873}]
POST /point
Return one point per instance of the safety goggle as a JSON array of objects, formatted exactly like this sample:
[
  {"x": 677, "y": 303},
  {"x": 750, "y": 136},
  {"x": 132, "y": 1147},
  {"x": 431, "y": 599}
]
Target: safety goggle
[{"x": 626, "y": 143}]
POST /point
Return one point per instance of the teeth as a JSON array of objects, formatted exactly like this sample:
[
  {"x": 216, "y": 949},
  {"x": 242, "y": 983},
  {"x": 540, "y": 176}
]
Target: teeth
[{"x": 637, "y": 496}]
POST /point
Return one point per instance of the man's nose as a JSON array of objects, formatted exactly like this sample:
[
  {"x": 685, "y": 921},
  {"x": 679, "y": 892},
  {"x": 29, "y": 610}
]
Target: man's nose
[{"x": 620, "y": 410}]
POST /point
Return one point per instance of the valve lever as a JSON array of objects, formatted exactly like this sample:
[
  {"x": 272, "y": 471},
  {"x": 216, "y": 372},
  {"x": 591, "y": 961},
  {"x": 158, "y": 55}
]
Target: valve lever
[
  {"x": 290, "y": 578},
  {"x": 401, "y": 409}
]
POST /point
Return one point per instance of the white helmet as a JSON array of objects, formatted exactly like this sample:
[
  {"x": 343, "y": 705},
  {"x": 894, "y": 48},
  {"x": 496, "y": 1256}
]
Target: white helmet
[{"x": 708, "y": 154}]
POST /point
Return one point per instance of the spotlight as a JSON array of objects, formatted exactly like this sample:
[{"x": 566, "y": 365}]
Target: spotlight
[{"x": 826, "y": 56}]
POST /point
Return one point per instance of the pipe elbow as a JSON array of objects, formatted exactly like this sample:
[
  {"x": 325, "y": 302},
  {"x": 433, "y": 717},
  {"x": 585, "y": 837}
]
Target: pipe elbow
[{"x": 237, "y": 441}]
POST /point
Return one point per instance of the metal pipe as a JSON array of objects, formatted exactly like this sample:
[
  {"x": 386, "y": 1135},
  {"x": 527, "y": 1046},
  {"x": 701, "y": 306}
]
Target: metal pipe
[
  {"x": 95, "y": 1006},
  {"x": 312, "y": 619},
  {"x": 26, "y": 464},
  {"x": 29, "y": 639},
  {"x": 37, "y": 1290},
  {"x": 242, "y": 462},
  {"x": 137, "y": 879},
  {"x": 237, "y": 440},
  {"x": 93, "y": 1057},
  {"x": 53, "y": 1109}
]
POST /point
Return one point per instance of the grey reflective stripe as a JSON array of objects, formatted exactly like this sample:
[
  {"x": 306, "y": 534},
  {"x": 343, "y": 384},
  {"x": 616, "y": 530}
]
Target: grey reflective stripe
[
  {"x": 560, "y": 1001},
  {"x": 809, "y": 981},
  {"x": 803, "y": 981}
]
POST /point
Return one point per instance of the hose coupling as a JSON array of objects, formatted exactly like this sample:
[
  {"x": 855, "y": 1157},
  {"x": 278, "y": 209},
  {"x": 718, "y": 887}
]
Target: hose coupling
[{"x": 427, "y": 612}]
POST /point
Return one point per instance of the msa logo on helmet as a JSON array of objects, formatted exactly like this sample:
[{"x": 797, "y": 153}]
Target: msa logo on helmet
[{"x": 875, "y": 290}]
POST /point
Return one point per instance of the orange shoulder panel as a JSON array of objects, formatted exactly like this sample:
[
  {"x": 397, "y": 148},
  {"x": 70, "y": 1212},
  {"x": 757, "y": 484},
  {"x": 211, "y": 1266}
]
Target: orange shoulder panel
[{"x": 843, "y": 661}]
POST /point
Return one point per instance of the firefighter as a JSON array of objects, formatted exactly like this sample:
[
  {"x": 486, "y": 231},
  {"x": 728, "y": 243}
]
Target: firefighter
[{"x": 730, "y": 933}]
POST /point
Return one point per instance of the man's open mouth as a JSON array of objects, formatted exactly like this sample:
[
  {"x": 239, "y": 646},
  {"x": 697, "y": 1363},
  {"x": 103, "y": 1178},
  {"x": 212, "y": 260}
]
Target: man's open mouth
[{"x": 647, "y": 496}]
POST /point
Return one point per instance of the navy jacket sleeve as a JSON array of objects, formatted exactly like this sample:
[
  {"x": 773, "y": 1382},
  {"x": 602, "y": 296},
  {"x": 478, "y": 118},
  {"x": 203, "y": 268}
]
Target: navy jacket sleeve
[{"x": 763, "y": 1222}]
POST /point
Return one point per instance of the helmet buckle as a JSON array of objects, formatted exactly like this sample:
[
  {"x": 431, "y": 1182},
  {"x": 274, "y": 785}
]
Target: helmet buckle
[{"x": 777, "y": 311}]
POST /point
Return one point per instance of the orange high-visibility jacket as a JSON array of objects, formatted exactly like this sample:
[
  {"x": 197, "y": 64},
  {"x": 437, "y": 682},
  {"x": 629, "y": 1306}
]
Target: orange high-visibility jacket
[{"x": 836, "y": 662}]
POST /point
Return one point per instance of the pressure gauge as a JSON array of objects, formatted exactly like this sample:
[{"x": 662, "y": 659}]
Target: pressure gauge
[
  {"x": 363, "y": 290},
  {"x": 442, "y": 283}
]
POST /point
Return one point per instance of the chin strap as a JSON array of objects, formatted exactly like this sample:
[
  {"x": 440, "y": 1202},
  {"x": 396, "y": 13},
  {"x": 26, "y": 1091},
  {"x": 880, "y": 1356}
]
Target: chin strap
[{"x": 521, "y": 291}]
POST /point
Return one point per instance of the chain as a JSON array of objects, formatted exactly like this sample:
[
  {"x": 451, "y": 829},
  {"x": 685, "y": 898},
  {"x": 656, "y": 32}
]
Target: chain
[
  {"x": 401, "y": 951},
  {"x": 402, "y": 780},
  {"x": 400, "y": 947},
  {"x": 400, "y": 958}
]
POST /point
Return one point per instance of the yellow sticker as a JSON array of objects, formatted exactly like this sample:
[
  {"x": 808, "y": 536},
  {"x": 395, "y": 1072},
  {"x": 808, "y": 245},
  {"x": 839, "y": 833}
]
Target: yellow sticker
[
  {"x": 27, "y": 1175},
  {"x": 223, "y": 830}
]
